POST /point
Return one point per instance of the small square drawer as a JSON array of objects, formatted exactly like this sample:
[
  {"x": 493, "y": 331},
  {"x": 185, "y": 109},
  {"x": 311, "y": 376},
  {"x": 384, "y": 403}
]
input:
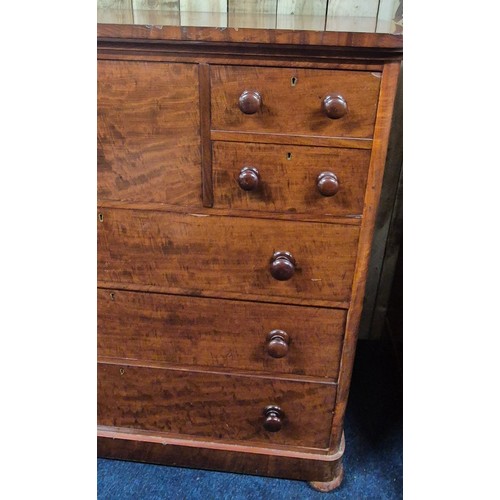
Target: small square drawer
[
  {"x": 294, "y": 101},
  {"x": 289, "y": 179},
  {"x": 215, "y": 405}
]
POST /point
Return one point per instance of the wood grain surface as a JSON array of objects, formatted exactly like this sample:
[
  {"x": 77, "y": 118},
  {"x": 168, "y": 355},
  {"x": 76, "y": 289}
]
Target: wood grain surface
[
  {"x": 260, "y": 30},
  {"x": 192, "y": 331},
  {"x": 148, "y": 132},
  {"x": 189, "y": 254},
  {"x": 253, "y": 458},
  {"x": 213, "y": 405},
  {"x": 374, "y": 187},
  {"x": 289, "y": 178},
  {"x": 294, "y": 109}
]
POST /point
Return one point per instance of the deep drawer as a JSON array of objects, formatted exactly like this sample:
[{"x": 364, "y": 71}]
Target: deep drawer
[
  {"x": 193, "y": 331},
  {"x": 227, "y": 256},
  {"x": 213, "y": 405},
  {"x": 293, "y": 107},
  {"x": 285, "y": 178},
  {"x": 148, "y": 131}
]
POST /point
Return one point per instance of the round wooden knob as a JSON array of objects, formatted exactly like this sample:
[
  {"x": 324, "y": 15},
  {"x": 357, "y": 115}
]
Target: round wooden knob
[
  {"x": 282, "y": 266},
  {"x": 249, "y": 178},
  {"x": 273, "y": 418},
  {"x": 277, "y": 343},
  {"x": 328, "y": 184},
  {"x": 334, "y": 106},
  {"x": 250, "y": 102}
]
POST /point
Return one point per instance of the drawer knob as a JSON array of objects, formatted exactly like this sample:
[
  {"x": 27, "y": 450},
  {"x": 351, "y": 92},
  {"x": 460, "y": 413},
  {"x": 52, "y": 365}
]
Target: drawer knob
[
  {"x": 277, "y": 343},
  {"x": 328, "y": 184},
  {"x": 273, "y": 418},
  {"x": 282, "y": 266},
  {"x": 249, "y": 178},
  {"x": 250, "y": 102},
  {"x": 334, "y": 106}
]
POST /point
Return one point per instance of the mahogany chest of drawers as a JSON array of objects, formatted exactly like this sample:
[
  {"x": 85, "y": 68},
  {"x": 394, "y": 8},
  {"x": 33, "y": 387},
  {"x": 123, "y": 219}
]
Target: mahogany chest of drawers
[{"x": 238, "y": 179}]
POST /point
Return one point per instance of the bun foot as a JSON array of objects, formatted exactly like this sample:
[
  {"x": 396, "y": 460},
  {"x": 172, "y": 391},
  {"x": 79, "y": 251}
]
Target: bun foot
[{"x": 326, "y": 486}]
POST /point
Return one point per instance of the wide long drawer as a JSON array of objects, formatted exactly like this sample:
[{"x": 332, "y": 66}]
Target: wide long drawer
[
  {"x": 220, "y": 333},
  {"x": 215, "y": 405},
  {"x": 228, "y": 256}
]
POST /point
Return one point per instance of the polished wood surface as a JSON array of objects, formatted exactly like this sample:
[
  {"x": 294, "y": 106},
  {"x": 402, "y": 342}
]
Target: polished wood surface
[
  {"x": 249, "y": 179},
  {"x": 191, "y": 331},
  {"x": 250, "y": 102},
  {"x": 288, "y": 178},
  {"x": 294, "y": 108},
  {"x": 278, "y": 342},
  {"x": 282, "y": 267},
  {"x": 334, "y": 106},
  {"x": 163, "y": 448},
  {"x": 206, "y": 144},
  {"x": 374, "y": 186},
  {"x": 214, "y": 405},
  {"x": 148, "y": 132},
  {"x": 343, "y": 31},
  {"x": 183, "y": 253},
  {"x": 327, "y": 184},
  {"x": 231, "y": 288}
]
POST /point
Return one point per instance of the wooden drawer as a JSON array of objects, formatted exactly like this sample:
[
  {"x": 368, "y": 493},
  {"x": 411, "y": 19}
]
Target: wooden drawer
[
  {"x": 212, "y": 405},
  {"x": 294, "y": 109},
  {"x": 288, "y": 178},
  {"x": 192, "y": 331},
  {"x": 226, "y": 256},
  {"x": 148, "y": 132}
]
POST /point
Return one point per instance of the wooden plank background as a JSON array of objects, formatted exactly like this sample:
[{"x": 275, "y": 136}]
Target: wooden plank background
[{"x": 352, "y": 15}]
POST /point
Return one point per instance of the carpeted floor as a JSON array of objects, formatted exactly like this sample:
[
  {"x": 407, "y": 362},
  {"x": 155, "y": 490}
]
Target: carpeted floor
[{"x": 373, "y": 458}]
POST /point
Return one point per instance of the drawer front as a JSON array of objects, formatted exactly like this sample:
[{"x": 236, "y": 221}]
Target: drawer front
[
  {"x": 216, "y": 255},
  {"x": 217, "y": 406},
  {"x": 285, "y": 178},
  {"x": 247, "y": 336},
  {"x": 297, "y": 109},
  {"x": 148, "y": 132}
]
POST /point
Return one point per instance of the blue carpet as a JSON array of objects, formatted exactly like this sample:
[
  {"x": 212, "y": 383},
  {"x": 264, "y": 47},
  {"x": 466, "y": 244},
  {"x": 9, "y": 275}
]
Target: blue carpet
[{"x": 373, "y": 459}]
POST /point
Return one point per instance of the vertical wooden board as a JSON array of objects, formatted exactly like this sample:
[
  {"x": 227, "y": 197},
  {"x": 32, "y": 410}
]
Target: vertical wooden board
[
  {"x": 115, "y": 12},
  {"x": 163, "y": 5},
  {"x": 349, "y": 15},
  {"x": 203, "y": 6},
  {"x": 351, "y": 23},
  {"x": 393, "y": 166},
  {"x": 301, "y": 14},
  {"x": 204, "y": 13},
  {"x": 390, "y": 16},
  {"x": 210, "y": 19},
  {"x": 258, "y": 14},
  {"x": 114, "y": 4},
  {"x": 256, "y": 7},
  {"x": 387, "y": 9},
  {"x": 302, "y": 7},
  {"x": 352, "y": 8}
]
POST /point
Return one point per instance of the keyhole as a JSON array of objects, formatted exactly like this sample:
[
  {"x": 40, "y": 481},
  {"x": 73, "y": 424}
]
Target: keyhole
[
  {"x": 293, "y": 81},
  {"x": 101, "y": 218},
  {"x": 112, "y": 296},
  {"x": 289, "y": 156},
  {"x": 122, "y": 371}
]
